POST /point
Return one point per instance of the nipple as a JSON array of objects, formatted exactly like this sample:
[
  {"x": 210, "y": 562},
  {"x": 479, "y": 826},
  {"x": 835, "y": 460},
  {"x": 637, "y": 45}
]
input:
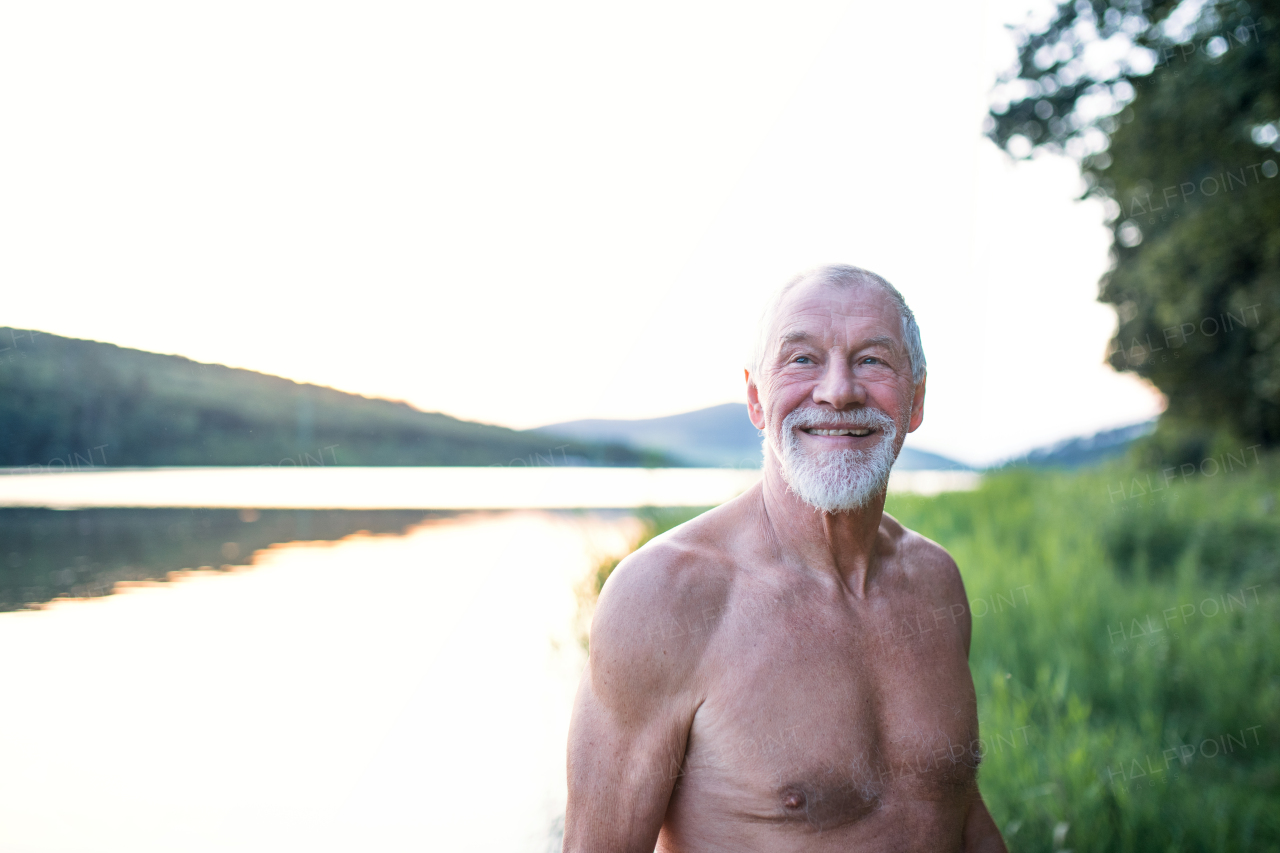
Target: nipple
[{"x": 793, "y": 800}]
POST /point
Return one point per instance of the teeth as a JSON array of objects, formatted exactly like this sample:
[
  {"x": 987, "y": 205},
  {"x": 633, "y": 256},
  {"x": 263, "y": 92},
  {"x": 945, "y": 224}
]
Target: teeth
[{"x": 857, "y": 432}]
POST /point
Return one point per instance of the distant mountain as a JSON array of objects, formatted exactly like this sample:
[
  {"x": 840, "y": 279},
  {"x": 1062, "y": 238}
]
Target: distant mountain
[
  {"x": 715, "y": 437},
  {"x": 1084, "y": 450},
  {"x": 68, "y": 403}
]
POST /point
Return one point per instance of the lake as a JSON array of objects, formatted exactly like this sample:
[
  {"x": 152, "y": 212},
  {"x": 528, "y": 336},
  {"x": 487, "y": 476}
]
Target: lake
[
  {"x": 320, "y": 487},
  {"x": 379, "y": 691},
  {"x": 194, "y": 663}
]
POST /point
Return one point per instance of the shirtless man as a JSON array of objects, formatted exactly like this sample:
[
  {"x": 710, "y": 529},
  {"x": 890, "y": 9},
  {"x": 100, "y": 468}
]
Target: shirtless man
[{"x": 789, "y": 672}]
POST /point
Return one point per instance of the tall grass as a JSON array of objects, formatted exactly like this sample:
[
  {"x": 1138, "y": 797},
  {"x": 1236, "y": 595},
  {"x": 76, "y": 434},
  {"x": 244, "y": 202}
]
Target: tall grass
[
  {"x": 1126, "y": 654},
  {"x": 653, "y": 521},
  {"x": 1140, "y": 650}
]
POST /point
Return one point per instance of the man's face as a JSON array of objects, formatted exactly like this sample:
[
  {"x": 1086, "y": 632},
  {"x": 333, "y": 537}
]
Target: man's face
[{"x": 834, "y": 393}]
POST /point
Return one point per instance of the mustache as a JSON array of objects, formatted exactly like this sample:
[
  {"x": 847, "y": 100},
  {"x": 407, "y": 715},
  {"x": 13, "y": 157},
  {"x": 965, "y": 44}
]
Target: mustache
[{"x": 828, "y": 419}]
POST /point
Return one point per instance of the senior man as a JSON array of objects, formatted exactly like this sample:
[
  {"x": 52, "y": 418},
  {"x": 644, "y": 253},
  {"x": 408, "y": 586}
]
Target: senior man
[{"x": 790, "y": 671}]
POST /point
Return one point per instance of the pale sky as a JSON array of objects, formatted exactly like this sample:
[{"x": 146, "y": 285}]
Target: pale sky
[{"x": 524, "y": 214}]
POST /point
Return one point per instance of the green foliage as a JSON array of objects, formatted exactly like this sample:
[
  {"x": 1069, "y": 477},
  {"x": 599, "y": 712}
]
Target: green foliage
[
  {"x": 1176, "y": 136},
  {"x": 1114, "y": 631},
  {"x": 653, "y": 521},
  {"x": 60, "y": 397},
  {"x": 1147, "y": 624}
]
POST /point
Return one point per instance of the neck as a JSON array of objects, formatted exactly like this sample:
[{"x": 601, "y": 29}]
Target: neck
[{"x": 842, "y": 544}]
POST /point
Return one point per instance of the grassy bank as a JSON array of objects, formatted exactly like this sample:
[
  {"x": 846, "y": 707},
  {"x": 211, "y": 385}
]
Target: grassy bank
[{"x": 1126, "y": 653}]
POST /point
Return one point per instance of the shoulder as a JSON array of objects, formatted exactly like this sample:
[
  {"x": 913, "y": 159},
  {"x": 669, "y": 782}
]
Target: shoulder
[
  {"x": 930, "y": 571},
  {"x": 920, "y": 556},
  {"x": 658, "y": 610},
  {"x": 659, "y": 592}
]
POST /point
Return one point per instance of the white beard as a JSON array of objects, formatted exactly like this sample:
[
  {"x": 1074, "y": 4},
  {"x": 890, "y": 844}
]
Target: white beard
[{"x": 836, "y": 480}]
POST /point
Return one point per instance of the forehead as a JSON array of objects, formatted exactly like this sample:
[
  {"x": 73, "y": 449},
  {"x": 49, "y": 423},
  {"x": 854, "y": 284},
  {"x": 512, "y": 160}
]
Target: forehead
[{"x": 837, "y": 310}]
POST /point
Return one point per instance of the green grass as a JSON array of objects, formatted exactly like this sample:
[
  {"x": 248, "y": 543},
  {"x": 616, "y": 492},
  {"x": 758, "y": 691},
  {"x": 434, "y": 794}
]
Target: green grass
[
  {"x": 1112, "y": 635},
  {"x": 653, "y": 521},
  {"x": 1123, "y": 644}
]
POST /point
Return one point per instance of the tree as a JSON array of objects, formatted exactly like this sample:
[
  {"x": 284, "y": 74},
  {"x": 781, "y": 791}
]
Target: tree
[{"x": 1172, "y": 111}]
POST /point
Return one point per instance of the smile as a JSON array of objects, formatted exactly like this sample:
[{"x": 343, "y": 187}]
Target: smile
[{"x": 853, "y": 432}]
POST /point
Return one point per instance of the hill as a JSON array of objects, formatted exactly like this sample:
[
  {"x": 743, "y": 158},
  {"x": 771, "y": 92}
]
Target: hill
[
  {"x": 73, "y": 403},
  {"x": 1083, "y": 450},
  {"x": 715, "y": 437}
]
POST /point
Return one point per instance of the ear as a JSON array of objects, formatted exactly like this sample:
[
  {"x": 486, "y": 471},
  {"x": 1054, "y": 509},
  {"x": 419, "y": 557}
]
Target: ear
[
  {"x": 755, "y": 410},
  {"x": 917, "y": 407}
]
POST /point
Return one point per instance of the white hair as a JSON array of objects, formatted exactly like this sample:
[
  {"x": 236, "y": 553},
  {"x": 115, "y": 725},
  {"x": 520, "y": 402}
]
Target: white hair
[
  {"x": 843, "y": 275},
  {"x": 835, "y": 480}
]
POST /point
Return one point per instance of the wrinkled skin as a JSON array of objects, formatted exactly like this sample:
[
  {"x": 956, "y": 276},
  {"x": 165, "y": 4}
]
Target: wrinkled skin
[{"x": 769, "y": 677}]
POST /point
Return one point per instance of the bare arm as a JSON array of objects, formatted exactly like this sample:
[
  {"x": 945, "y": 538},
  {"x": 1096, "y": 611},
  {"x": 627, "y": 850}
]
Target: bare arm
[
  {"x": 621, "y": 772},
  {"x": 632, "y": 715},
  {"x": 981, "y": 835}
]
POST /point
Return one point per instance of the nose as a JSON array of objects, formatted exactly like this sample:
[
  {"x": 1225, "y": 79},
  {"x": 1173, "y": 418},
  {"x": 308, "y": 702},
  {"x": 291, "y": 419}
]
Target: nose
[{"x": 839, "y": 386}]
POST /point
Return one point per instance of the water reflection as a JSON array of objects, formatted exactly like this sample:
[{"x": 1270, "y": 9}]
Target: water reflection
[
  {"x": 47, "y": 554},
  {"x": 384, "y": 692}
]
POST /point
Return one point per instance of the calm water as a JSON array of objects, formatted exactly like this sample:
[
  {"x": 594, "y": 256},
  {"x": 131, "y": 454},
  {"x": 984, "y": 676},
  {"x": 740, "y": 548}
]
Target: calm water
[
  {"x": 314, "y": 659},
  {"x": 320, "y": 487},
  {"x": 405, "y": 688}
]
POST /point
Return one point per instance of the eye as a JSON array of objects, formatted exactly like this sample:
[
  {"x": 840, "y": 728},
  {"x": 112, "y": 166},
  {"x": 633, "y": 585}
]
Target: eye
[
  {"x": 871, "y": 359},
  {"x": 802, "y": 359}
]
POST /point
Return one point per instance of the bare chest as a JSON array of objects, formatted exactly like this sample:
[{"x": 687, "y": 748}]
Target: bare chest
[{"x": 819, "y": 715}]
